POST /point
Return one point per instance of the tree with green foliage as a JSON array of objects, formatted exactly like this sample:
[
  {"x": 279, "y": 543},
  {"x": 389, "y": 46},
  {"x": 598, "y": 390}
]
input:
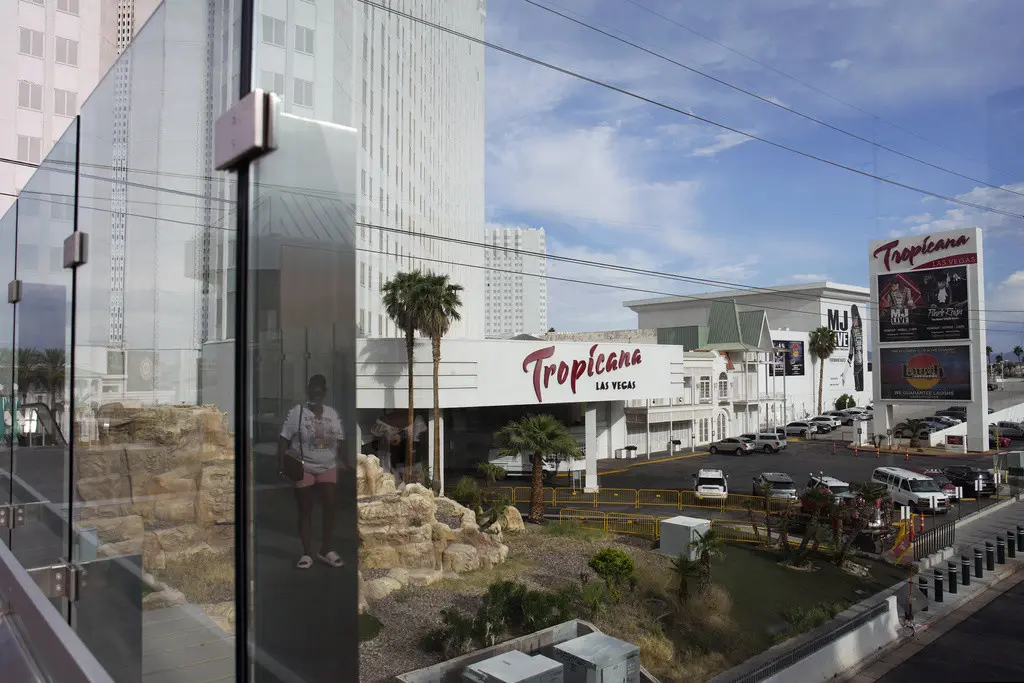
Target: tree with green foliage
[
  {"x": 686, "y": 570},
  {"x": 440, "y": 308},
  {"x": 1018, "y": 351},
  {"x": 403, "y": 297},
  {"x": 491, "y": 473},
  {"x": 540, "y": 436},
  {"x": 707, "y": 547},
  {"x": 845, "y": 401},
  {"x": 615, "y": 567},
  {"x": 911, "y": 429},
  {"x": 822, "y": 344}
]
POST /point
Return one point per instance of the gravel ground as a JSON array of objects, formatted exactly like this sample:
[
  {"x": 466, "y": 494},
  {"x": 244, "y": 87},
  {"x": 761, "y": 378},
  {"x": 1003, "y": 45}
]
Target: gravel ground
[{"x": 537, "y": 559}]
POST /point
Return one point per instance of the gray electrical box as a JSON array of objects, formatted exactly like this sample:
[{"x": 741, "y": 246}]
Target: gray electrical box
[
  {"x": 678, "y": 533},
  {"x": 514, "y": 667},
  {"x": 599, "y": 658}
]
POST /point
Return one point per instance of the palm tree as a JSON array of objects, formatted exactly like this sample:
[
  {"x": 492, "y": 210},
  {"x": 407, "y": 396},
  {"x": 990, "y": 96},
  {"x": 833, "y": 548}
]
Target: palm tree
[
  {"x": 441, "y": 304},
  {"x": 707, "y": 547},
  {"x": 822, "y": 344},
  {"x": 26, "y": 371},
  {"x": 51, "y": 373},
  {"x": 912, "y": 427},
  {"x": 988, "y": 354},
  {"x": 540, "y": 436},
  {"x": 402, "y": 297},
  {"x": 1018, "y": 351},
  {"x": 686, "y": 569}
]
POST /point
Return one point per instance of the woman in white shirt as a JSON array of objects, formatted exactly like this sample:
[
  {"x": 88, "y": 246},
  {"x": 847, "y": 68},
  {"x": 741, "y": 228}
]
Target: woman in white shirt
[{"x": 312, "y": 433}]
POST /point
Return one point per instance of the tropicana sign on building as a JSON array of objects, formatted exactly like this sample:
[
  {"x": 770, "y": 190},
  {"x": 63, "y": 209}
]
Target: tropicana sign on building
[
  {"x": 572, "y": 371},
  {"x": 895, "y": 255}
]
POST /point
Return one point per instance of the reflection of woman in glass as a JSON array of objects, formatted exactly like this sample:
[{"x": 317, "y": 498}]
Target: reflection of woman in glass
[
  {"x": 313, "y": 434},
  {"x": 856, "y": 355}
]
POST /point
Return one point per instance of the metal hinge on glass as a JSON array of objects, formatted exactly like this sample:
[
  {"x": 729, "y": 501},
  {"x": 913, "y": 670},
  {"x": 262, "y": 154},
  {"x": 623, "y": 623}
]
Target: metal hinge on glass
[
  {"x": 76, "y": 249},
  {"x": 14, "y": 516},
  {"x": 59, "y": 581},
  {"x": 246, "y": 131}
]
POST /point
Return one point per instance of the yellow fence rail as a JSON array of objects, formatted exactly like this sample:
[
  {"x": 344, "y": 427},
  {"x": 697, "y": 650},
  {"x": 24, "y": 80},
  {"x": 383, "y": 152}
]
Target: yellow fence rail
[
  {"x": 740, "y": 532},
  {"x": 617, "y": 497},
  {"x": 657, "y": 498},
  {"x": 640, "y": 498},
  {"x": 637, "y": 525},
  {"x": 587, "y": 519},
  {"x": 567, "y": 496},
  {"x": 521, "y": 494}
]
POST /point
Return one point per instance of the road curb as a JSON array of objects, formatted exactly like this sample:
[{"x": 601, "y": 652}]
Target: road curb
[{"x": 952, "y": 456}]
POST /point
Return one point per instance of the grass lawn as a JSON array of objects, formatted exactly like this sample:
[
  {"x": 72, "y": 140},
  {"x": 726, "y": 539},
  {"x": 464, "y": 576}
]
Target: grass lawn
[{"x": 761, "y": 589}]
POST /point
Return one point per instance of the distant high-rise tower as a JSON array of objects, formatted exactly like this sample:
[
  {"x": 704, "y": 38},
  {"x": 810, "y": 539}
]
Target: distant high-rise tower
[{"x": 516, "y": 292}]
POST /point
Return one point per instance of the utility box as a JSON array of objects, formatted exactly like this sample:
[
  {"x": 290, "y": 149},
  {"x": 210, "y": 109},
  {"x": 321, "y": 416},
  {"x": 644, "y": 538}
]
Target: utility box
[
  {"x": 599, "y": 658},
  {"x": 678, "y": 532},
  {"x": 514, "y": 667}
]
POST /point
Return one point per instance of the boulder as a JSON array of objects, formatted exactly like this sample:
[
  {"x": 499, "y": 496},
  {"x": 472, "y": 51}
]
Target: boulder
[
  {"x": 172, "y": 509},
  {"x": 423, "y": 577},
  {"x": 378, "y": 589},
  {"x": 175, "y": 481},
  {"x": 394, "y": 534},
  {"x": 512, "y": 520},
  {"x": 490, "y": 550},
  {"x": 165, "y": 598},
  {"x": 371, "y": 479},
  {"x": 448, "y": 508},
  {"x": 117, "y": 529},
  {"x": 379, "y": 557},
  {"x": 178, "y": 538},
  {"x": 416, "y": 555},
  {"x": 104, "y": 487},
  {"x": 98, "y": 461},
  {"x": 460, "y": 558},
  {"x": 400, "y": 575},
  {"x": 130, "y": 547},
  {"x": 216, "y": 500},
  {"x": 153, "y": 556}
]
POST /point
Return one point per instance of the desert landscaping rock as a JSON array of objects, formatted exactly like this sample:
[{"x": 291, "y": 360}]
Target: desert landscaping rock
[
  {"x": 378, "y": 589},
  {"x": 512, "y": 521},
  {"x": 165, "y": 598},
  {"x": 461, "y": 557},
  {"x": 424, "y": 577}
]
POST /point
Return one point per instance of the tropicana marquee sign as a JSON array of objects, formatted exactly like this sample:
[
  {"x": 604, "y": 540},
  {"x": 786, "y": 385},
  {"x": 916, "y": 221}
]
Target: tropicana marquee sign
[
  {"x": 595, "y": 365},
  {"x": 895, "y": 253}
]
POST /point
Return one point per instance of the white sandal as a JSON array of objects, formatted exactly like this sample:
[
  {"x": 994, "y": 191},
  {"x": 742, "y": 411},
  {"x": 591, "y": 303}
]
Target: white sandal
[
  {"x": 305, "y": 562},
  {"x": 332, "y": 558}
]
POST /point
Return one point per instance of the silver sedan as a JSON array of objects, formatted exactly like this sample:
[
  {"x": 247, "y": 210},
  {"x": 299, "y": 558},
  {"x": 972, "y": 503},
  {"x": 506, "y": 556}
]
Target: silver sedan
[{"x": 732, "y": 444}]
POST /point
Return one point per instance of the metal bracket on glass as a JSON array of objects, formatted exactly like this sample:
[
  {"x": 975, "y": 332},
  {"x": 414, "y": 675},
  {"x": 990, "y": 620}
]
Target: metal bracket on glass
[
  {"x": 14, "y": 291},
  {"x": 245, "y": 132},
  {"x": 14, "y": 516},
  {"x": 76, "y": 249},
  {"x": 59, "y": 581}
]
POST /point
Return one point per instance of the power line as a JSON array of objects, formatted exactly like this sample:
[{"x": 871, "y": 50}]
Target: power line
[
  {"x": 766, "y": 100},
  {"x": 816, "y": 89}
]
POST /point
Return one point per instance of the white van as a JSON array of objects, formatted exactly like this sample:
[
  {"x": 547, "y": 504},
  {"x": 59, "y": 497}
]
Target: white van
[
  {"x": 521, "y": 465},
  {"x": 915, "y": 490}
]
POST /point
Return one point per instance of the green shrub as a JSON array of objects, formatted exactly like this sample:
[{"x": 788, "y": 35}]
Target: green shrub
[
  {"x": 614, "y": 566},
  {"x": 491, "y": 472},
  {"x": 467, "y": 492},
  {"x": 845, "y": 401}
]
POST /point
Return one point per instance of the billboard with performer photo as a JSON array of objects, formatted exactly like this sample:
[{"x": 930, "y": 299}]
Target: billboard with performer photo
[
  {"x": 923, "y": 305},
  {"x": 925, "y": 373},
  {"x": 789, "y": 359}
]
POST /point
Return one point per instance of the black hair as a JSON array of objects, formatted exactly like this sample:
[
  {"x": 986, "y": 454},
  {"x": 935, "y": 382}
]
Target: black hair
[
  {"x": 318, "y": 381},
  {"x": 855, "y": 314}
]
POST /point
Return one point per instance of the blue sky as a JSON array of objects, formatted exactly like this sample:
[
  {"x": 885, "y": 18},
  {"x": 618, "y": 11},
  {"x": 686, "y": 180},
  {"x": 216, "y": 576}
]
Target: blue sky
[{"x": 616, "y": 180}]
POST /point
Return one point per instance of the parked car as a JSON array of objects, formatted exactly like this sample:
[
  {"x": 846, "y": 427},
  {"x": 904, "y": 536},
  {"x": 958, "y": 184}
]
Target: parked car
[
  {"x": 1001, "y": 442},
  {"x": 782, "y": 485},
  {"x": 993, "y": 386},
  {"x": 732, "y": 444},
  {"x": 826, "y": 423},
  {"x": 801, "y": 429},
  {"x": 940, "y": 478},
  {"x": 967, "y": 477},
  {"x": 917, "y": 491},
  {"x": 766, "y": 441},
  {"x": 711, "y": 484},
  {"x": 946, "y": 420},
  {"x": 1010, "y": 429},
  {"x": 839, "y": 489},
  {"x": 854, "y": 419}
]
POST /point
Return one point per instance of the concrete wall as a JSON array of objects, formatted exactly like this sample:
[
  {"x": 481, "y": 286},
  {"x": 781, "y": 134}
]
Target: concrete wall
[
  {"x": 1014, "y": 413},
  {"x": 644, "y": 336}
]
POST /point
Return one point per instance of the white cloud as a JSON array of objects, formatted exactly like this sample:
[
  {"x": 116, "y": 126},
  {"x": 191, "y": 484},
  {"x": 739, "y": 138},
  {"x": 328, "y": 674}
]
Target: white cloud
[
  {"x": 841, "y": 64},
  {"x": 918, "y": 218},
  {"x": 1004, "y": 304},
  {"x": 723, "y": 141},
  {"x": 808, "y": 277},
  {"x": 960, "y": 217}
]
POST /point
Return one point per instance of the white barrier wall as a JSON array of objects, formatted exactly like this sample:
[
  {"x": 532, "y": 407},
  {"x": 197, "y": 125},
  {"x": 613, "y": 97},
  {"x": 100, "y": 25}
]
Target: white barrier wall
[{"x": 1014, "y": 413}]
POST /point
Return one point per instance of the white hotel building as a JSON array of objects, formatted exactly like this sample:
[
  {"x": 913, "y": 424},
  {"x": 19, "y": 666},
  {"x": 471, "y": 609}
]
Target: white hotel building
[{"x": 516, "y": 297}]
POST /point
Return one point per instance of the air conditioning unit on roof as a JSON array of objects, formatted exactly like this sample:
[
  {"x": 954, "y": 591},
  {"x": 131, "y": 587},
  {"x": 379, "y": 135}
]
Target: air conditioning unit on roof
[{"x": 514, "y": 667}]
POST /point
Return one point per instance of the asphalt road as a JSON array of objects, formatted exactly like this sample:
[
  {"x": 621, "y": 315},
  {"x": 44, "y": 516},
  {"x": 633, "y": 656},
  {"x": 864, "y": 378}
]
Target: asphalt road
[{"x": 983, "y": 647}]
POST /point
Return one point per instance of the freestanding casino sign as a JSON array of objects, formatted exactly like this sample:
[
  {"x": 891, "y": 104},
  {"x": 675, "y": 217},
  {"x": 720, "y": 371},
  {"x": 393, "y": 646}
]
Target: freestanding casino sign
[{"x": 929, "y": 331}]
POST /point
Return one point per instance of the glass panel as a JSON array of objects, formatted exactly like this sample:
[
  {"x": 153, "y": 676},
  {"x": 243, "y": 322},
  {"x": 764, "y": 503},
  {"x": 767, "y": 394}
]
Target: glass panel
[
  {"x": 41, "y": 458},
  {"x": 154, "y": 475},
  {"x": 300, "y": 283},
  {"x": 8, "y": 238}
]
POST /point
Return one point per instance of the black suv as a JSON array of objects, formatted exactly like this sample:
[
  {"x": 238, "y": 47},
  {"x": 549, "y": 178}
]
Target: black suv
[{"x": 965, "y": 477}]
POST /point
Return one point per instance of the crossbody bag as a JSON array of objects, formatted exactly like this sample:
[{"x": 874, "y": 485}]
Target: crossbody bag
[{"x": 292, "y": 466}]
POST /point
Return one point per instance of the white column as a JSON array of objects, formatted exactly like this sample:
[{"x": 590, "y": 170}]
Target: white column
[
  {"x": 590, "y": 443},
  {"x": 977, "y": 410},
  {"x": 616, "y": 426},
  {"x": 430, "y": 447}
]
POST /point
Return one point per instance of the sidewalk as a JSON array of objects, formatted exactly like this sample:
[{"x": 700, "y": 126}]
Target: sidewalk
[{"x": 926, "y": 626}]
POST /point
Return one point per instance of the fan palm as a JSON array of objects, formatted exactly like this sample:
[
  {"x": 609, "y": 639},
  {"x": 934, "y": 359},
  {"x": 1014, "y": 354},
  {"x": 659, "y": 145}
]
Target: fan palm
[
  {"x": 1018, "y": 351},
  {"x": 822, "y": 344},
  {"x": 440, "y": 308},
  {"x": 686, "y": 569},
  {"x": 540, "y": 436},
  {"x": 707, "y": 547},
  {"x": 911, "y": 427},
  {"x": 403, "y": 297},
  {"x": 26, "y": 370},
  {"x": 51, "y": 372}
]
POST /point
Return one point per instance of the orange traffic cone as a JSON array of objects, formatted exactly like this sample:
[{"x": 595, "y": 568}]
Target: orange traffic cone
[
  {"x": 878, "y": 452},
  {"x": 907, "y": 457},
  {"x": 855, "y": 452}
]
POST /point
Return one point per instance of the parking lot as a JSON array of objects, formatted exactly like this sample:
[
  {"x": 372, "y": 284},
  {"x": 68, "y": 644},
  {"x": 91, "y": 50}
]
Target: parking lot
[{"x": 799, "y": 460}]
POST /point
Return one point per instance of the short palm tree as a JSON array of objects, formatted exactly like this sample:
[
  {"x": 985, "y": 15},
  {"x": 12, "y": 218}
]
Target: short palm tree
[
  {"x": 988, "y": 354},
  {"x": 51, "y": 372},
  {"x": 440, "y": 308},
  {"x": 402, "y": 297},
  {"x": 822, "y": 344},
  {"x": 540, "y": 436},
  {"x": 686, "y": 569},
  {"x": 707, "y": 547},
  {"x": 911, "y": 427},
  {"x": 26, "y": 371},
  {"x": 1018, "y": 351}
]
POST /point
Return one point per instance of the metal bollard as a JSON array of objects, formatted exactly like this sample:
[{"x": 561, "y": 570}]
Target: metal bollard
[
  {"x": 938, "y": 585},
  {"x": 1011, "y": 543},
  {"x": 965, "y": 570},
  {"x": 922, "y": 585},
  {"x": 1020, "y": 537},
  {"x": 978, "y": 570},
  {"x": 951, "y": 569},
  {"x": 990, "y": 556},
  {"x": 1000, "y": 550}
]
